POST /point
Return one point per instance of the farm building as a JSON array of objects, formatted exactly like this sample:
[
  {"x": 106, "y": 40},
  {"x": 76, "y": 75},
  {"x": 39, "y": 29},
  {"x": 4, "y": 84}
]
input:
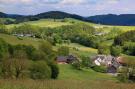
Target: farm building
[{"x": 66, "y": 59}]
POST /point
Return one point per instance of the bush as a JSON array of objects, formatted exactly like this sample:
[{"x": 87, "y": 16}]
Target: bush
[
  {"x": 127, "y": 73},
  {"x": 3, "y": 48},
  {"x": 123, "y": 77},
  {"x": 103, "y": 49},
  {"x": 63, "y": 51},
  {"x": 116, "y": 51},
  {"x": 86, "y": 62},
  {"x": 54, "y": 70},
  {"x": 129, "y": 48},
  {"x": 101, "y": 69},
  {"x": 77, "y": 65},
  {"x": 40, "y": 70}
]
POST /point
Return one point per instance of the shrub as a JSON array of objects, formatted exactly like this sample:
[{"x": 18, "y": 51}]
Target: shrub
[
  {"x": 54, "y": 70},
  {"x": 103, "y": 49},
  {"x": 40, "y": 70},
  {"x": 128, "y": 71},
  {"x": 116, "y": 51},
  {"x": 86, "y": 62},
  {"x": 63, "y": 51},
  {"x": 123, "y": 77},
  {"x": 77, "y": 65},
  {"x": 101, "y": 69}
]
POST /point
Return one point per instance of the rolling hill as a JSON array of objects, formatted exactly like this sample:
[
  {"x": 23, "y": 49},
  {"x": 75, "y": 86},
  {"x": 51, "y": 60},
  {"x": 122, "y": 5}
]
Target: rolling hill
[
  {"x": 109, "y": 19},
  {"x": 13, "y": 16},
  {"x": 112, "y": 19}
]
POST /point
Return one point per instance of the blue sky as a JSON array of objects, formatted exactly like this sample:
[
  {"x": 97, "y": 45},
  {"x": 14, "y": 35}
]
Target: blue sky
[{"x": 81, "y": 7}]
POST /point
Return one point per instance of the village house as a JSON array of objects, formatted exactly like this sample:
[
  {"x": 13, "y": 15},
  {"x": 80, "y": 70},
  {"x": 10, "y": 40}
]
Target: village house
[
  {"x": 23, "y": 35},
  {"x": 112, "y": 63},
  {"x": 66, "y": 59}
]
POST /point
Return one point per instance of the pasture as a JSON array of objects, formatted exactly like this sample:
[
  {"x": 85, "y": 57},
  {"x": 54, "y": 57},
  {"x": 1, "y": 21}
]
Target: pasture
[
  {"x": 20, "y": 40},
  {"x": 43, "y": 23}
]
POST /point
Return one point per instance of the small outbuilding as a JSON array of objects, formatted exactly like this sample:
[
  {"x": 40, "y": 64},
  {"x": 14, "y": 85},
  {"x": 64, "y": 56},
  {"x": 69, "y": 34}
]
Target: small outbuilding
[{"x": 66, "y": 59}]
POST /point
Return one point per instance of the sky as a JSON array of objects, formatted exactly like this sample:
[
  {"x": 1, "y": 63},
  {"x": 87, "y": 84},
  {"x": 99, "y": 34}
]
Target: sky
[{"x": 80, "y": 7}]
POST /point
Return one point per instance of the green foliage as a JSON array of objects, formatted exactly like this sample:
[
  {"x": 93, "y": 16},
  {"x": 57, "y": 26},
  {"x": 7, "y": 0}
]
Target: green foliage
[
  {"x": 3, "y": 28},
  {"x": 101, "y": 69},
  {"x": 46, "y": 47},
  {"x": 125, "y": 37},
  {"x": 14, "y": 61},
  {"x": 77, "y": 65},
  {"x": 103, "y": 49},
  {"x": 129, "y": 48},
  {"x": 123, "y": 76},
  {"x": 25, "y": 29},
  {"x": 3, "y": 48},
  {"x": 127, "y": 73},
  {"x": 54, "y": 70},
  {"x": 86, "y": 62},
  {"x": 63, "y": 51},
  {"x": 116, "y": 51},
  {"x": 40, "y": 70},
  {"x": 14, "y": 67}
]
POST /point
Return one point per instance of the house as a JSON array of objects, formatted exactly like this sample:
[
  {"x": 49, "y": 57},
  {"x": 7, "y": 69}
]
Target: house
[
  {"x": 61, "y": 59},
  {"x": 66, "y": 59},
  {"x": 112, "y": 63},
  {"x": 23, "y": 35}
]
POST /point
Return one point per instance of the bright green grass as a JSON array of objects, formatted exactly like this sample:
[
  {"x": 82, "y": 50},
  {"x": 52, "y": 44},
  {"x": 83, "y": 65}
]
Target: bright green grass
[
  {"x": 105, "y": 28},
  {"x": 25, "y": 40},
  {"x": 43, "y": 23},
  {"x": 51, "y": 23},
  {"x": 68, "y": 72},
  {"x": 80, "y": 49}
]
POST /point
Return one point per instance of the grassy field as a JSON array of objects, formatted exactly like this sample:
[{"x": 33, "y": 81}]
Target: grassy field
[
  {"x": 80, "y": 49},
  {"x": 25, "y": 40},
  {"x": 43, "y": 23},
  {"x": 68, "y": 21},
  {"x": 68, "y": 72}
]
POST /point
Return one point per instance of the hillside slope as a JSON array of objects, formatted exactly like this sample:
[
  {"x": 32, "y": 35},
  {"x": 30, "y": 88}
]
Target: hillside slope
[{"x": 111, "y": 19}]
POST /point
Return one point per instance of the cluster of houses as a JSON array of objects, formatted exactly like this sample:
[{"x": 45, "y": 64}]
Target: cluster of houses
[{"x": 112, "y": 63}]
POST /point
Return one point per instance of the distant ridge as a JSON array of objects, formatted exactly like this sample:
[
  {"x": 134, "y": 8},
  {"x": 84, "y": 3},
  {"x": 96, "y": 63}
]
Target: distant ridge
[
  {"x": 109, "y": 19},
  {"x": 4, "y": 15},
  {"x": 112, "y": 19},
  {"x": 58, "y": 15}
]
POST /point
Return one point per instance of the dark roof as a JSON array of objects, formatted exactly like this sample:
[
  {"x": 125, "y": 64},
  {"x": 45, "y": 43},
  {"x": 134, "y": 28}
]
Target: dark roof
[{"x": 61, "y": 59}]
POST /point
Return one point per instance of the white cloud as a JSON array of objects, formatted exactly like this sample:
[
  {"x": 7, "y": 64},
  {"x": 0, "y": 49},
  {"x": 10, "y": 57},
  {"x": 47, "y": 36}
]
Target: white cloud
[
  {"x": 73, "y": 2},
  {"x": 113, "y": 1}
]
